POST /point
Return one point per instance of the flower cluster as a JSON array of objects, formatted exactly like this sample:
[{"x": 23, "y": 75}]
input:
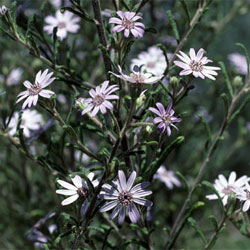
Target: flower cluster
[{"x": 240, "y": 188}]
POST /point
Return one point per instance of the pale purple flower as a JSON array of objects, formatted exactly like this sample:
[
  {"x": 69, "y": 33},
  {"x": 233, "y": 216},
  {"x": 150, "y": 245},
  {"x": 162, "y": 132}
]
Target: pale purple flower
[
  {"x": 136, "y": 77},
  {"x": 226, "y": 187},
  {"x": 196, "y": 64},
  {"x": 166, "y": 117},
  {"x": 244, "y": 195},
  {"x": 127, "y": 21},
  {"x": 31, "y": 121},
  {"x": 99, "y": 99},
  {"x": 65, "y": 22},
  {"x": 239, "y": 61},
  {"x": 168, "y": 177},
  {"x": 43, "y": 79},
  {"x": 14, "y": 76},
  {"x": 152, "y": 61},
  {"x": 80, "y": 189},
  {"x": 123, "y": 197}
]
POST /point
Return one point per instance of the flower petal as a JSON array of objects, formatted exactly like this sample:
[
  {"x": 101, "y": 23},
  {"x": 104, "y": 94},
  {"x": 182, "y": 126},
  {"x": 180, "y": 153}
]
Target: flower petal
[
  {"x": 67, "y": 185},
  {"x": 108, "y": 206},
  {"x": 70, "y": 200}
]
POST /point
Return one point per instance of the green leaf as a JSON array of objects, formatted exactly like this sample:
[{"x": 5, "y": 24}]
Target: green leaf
[
  {"x": 34, "y": 46},
  {"x": 214, "y": 222},
  {"x": 246, "y": 55},
  {"x": 96, "y": 229},
  {"x": 228, "y": 82},
  {"x": 150, "y": 143},
  {"x": 180, "y": 175},
  {"x": 29, "y": 26},
  {"x": 71, "y": 131},
  {"x": 185, "y": 7},
  {"x": 159, "y": 161},
  {"x": 226, "y": 103},
  {"x": 194, "y": 224},
  {"x": 173, "y": 24},
  {"x": 207, "y": 128},
  {"x": 242, "y": 106}
]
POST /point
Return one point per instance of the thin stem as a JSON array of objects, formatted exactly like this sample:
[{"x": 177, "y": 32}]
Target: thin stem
[
  {"x": 49, "y": 63},
  {"x": 72, "y": 134},
  {"x": 101, "y": 33},
  {"x": 215, "y": 234}
]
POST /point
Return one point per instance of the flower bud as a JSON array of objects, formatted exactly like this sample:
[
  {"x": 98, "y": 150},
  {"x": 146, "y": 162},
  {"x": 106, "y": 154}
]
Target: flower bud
[
  {"x": 80, "y": 103},
  {"x": 174, "y": 82},
  {"x": 3, "y": 10},
  {"x": 141, "y": 99},
  {"x": 237, "y": 82},
  {"x": 149, "y": 129}
]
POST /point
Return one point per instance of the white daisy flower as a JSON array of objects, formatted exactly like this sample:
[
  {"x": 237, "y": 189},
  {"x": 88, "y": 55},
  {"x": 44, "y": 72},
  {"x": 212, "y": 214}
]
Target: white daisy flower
[
  {"x": 65, "y": 22},
  {"x": 43, "y": 79},
  {"x": 14, "y": 76},
  {"x": 79, "y": 189},
  {"x": 168, "y": 177},
  {"x": 137, "y": 77},
  {"x": 123, "y": 197},
  {"x": 31, "y": 120},
  {"x": 99, "y": 100},
  {"x": 152, "y": 61},
  {"x": 244, "y": 195},
  {"x": 196, "y": 65},
  {"x": 239, "y": 61},
  {"x": 226, "y": 188}
]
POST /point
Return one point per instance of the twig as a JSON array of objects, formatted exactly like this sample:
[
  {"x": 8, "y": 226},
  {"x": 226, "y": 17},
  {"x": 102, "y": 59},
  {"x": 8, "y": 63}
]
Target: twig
[{"x": 101, "y": 33}]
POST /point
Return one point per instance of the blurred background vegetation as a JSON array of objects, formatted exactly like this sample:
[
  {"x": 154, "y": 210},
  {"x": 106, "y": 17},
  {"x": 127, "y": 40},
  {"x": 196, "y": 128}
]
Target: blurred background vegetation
[{"x": 27, "y": 191}]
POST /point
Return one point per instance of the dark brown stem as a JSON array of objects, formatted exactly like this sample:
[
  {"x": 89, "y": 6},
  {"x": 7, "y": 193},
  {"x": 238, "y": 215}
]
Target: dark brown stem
[{"x": 101, "y": 33}]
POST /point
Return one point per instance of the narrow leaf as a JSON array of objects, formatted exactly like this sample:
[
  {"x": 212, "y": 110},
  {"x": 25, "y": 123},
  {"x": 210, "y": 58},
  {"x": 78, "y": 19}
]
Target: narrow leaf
[
  {"x": 196, "y": 227},
  {"x": 228, "y": 82},
  {"x": 246, "y": 55},
  {"x": 226, "y": 103},
  {"x": 185, "y": 7},
  {"x": 173, "y": 24},
  {"x": 242, "y": 106}
]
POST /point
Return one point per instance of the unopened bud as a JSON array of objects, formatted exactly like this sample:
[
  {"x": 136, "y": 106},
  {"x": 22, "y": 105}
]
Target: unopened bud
[
  {"x": 3, "y": 10},
  {"x": 237, "y": 81},
  {"x": 141, "y": 99},
  {"x": 149, "y": 129},
  {"x": 174, "y": 82},
  {"x": 80, "y": 102}
]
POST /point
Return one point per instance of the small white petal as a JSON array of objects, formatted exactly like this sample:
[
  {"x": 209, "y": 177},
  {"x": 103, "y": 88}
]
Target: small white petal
[
  {"x": 70, "y": 200},
  {"x": 67, "y": 185}
]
